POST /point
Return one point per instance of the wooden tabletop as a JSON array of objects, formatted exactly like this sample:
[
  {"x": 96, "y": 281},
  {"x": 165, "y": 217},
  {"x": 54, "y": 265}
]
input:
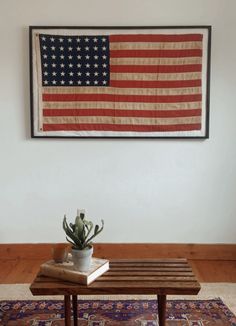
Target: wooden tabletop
[{"x": 128, "y": 276}]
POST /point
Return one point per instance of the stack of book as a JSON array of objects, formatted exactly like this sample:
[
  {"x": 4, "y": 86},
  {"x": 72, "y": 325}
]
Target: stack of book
[{"x": 66, "y": 271}]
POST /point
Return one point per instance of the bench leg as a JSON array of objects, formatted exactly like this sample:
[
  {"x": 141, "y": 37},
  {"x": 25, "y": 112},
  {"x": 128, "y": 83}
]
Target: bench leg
[
  {"x": 75, "y": 311},
  {"x": 161, "y": 299},
  {"x": 67, "y": 310}
]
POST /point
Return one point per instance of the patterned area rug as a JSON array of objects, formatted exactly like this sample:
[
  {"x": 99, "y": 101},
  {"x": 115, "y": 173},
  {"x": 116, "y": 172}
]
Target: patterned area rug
[{"x": 115, "y": 312}]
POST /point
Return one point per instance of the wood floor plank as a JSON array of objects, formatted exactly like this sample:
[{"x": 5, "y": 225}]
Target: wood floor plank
[
  {"x": 214, "y": 270},
  {"x": 23, "y": 271},
  {"x": 6, "y": 266}
]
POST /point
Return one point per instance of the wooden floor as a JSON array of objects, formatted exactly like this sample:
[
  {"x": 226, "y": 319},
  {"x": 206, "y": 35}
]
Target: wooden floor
[
  {"x": 19, "y": 263},
  {"x": 24, "y": 270}
]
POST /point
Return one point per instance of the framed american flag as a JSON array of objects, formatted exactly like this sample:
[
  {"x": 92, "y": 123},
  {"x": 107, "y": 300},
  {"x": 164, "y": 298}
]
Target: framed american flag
[{"x": 121, "y": 82}]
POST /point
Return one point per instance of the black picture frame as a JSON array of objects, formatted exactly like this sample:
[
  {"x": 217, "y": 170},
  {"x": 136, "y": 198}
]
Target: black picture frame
[{"x": 184, "y": 112}]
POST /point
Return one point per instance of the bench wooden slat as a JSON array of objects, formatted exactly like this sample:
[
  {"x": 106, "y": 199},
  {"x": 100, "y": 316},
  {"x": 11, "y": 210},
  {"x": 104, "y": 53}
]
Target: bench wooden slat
[
  {"x": 147, "y": 278},
  {"x": 141, "y": 265},
  {"x": 149, "y": 260},
  {"x": 142, "y": 284},
  {"x": 154, "y": 273},
  {"x": 163, "y": 269}
]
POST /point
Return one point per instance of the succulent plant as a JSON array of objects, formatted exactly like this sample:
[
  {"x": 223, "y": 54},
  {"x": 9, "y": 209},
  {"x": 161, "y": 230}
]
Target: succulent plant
[{"x": 79, "y": 234}]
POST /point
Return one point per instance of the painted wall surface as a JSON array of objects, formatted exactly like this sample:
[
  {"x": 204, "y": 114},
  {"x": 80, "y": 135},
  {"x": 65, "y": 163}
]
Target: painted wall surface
[{"x": 145, "y": 190}]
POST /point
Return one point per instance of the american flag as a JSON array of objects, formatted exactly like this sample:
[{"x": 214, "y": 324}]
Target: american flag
[{"x": 120, "y": 83}]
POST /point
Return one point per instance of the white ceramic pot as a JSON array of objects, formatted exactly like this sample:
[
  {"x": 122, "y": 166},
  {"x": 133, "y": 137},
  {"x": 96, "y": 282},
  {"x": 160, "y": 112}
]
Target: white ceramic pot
[{"x": 82, "y": 258}]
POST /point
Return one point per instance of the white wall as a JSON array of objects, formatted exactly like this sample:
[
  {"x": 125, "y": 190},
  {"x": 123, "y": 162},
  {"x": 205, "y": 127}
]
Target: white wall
[{"x": 145, "y": 190}]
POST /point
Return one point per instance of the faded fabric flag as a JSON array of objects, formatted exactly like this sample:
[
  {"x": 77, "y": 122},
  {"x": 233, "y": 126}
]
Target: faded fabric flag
[{"x": 121, "y": 84}]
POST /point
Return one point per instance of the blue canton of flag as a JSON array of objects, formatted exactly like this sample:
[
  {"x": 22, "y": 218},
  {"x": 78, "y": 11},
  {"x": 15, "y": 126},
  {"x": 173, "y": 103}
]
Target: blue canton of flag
[{"x": 75, "y": 60}]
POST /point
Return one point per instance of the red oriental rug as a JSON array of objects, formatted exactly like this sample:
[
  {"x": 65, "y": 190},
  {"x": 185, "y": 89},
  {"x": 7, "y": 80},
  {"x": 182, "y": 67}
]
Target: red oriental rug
[{"x": 115, "y": 312}]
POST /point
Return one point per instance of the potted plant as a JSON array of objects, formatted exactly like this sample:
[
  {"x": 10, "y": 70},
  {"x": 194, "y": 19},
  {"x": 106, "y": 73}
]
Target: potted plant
[{"x": 80, "y": 235}]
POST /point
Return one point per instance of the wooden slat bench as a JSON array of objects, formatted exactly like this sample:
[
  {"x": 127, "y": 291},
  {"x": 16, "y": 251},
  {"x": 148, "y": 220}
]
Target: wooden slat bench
[{"x": 144, "y": 276}]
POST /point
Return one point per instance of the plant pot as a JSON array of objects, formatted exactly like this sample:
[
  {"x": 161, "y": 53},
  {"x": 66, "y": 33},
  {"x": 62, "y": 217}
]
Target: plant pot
[{"x": 82, "y": 259}]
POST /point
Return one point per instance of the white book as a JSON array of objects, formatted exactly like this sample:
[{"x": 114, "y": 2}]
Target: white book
[{"x": 66, "y": 271}]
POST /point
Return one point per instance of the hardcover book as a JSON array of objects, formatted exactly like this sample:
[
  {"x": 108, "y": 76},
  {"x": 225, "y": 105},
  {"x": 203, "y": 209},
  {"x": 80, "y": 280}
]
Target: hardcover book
[{"x": 66, "y": 271}]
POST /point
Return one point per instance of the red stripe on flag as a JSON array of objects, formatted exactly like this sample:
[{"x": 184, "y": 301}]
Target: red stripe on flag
[
  {"x": 113, "y": 127},
  {"x": 155, "y": 68},
  {"x": 156, "y": 38},
  {"x": 121, "y": 113},
  {"x": 122, "y": 98},
  {"x": 155, "y": 83},
  {"x": 155, "y": 53}
]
